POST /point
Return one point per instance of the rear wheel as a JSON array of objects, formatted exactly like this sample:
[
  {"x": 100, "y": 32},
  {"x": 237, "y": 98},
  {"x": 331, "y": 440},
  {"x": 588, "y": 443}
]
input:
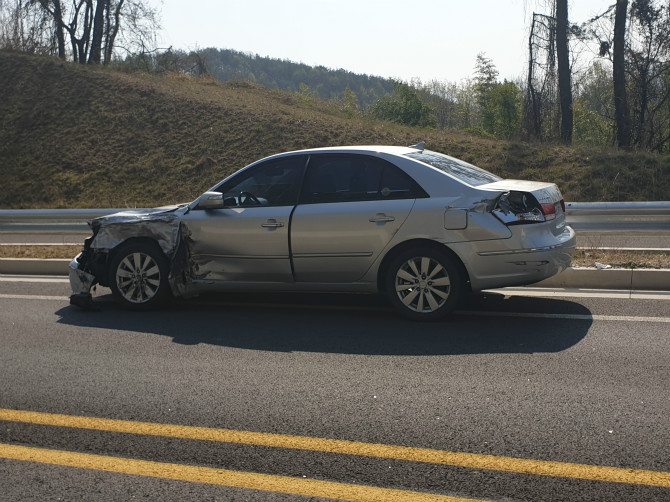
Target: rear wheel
[
  {"x": 423, "y": 284},
  {"x": 138, "y": 276}
]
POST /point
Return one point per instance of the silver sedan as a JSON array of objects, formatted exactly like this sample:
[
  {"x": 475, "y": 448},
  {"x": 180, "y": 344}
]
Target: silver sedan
[{"x": 423, "y": 228}]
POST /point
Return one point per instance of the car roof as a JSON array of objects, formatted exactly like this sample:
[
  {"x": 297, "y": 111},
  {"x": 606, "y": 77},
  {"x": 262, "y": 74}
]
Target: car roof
[
  {"x": 434, "y": 181},
  {"x": 394, "y": 150}
]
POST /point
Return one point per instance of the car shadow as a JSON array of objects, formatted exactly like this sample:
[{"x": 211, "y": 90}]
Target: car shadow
[{"x": 347, "y": 324}]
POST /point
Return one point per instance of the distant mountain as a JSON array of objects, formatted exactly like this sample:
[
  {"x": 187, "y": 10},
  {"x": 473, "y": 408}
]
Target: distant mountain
[{"x": 288, "y": 76}]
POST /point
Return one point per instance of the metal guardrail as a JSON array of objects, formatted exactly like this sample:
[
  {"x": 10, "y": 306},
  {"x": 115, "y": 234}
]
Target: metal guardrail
[
  {"x": 584, "y": 216},
  {"x": 50, "y": 220},
  {"x": 575, "y": 208},
  {"x": 619, "y": 216}
]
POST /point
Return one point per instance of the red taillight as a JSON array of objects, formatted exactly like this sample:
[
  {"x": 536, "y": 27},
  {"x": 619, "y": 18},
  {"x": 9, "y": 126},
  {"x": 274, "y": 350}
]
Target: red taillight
[
  {"x": 518, "y": 208},
  {"x": 549, "y": 211}
]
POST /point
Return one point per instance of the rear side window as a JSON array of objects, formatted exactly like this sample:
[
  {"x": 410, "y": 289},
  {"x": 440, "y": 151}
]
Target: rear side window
[
  {"x": 472, "y": 175},
  {"x": 348, "y": 178}
]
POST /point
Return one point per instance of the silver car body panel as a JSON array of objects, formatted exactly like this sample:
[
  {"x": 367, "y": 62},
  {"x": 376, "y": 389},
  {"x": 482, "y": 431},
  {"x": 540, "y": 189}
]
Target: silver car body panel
[
  {"x": 258, "y": 252},
  {"x": 339, "y": 242}
]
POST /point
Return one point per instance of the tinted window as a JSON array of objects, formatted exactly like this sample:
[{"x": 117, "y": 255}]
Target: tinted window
[
  {"x": 472, "y": 175},
  {"x": 398, "y": 185},
  {"x": 272, "y": 183},
  {"x": 345, "y": 178}
]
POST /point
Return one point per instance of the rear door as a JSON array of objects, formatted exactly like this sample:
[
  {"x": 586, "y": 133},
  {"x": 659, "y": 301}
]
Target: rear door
[{"x": 350, "y": 208}]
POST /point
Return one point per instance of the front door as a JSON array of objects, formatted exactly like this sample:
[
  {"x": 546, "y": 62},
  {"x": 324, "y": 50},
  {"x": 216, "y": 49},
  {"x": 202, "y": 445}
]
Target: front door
[
  {"x": 240, "y": 244},
  {"x": 248, "y": 240}
]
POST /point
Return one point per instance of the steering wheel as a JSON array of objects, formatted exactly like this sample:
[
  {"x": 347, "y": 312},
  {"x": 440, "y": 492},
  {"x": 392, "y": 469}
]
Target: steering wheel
[{"x": 246, "y": 197}]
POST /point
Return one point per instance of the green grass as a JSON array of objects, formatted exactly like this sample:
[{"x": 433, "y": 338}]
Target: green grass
[{"x": 80, "y": 136}]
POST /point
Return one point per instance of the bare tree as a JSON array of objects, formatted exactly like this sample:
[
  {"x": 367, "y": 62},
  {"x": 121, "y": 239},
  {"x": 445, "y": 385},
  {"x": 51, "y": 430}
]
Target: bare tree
[
  {"x": 136, "y": 23},
  {"x": 640, "y": 55},
  {"x": 112, "y": 27},
  {"x": 621, "y": 110},
  {"x": 25, "y": 27},
  {"x": 564, "y": 72},
  {"x": 541, "y": 93},
  {"x": 95, "y": 29},
  {"x": 648, "y": 66}
]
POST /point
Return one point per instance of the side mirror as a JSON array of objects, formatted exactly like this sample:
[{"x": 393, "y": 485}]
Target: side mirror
[{"x": 210, "y": 200}]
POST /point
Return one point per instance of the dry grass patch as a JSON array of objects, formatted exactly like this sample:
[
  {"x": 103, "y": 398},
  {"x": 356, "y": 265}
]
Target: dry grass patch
[
  {"x": 620, "y": 258},
  {"x": 41, "y": 252}
]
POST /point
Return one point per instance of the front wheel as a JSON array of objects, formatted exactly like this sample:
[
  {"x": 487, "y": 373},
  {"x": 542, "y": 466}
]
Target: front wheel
[
  {"x": 423, "y": 284},
  {"x": 138, "y": 276}
]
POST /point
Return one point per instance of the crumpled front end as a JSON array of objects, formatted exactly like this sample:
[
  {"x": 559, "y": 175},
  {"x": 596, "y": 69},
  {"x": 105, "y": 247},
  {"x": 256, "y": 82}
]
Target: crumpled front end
[{"x": 162, "y": 226}]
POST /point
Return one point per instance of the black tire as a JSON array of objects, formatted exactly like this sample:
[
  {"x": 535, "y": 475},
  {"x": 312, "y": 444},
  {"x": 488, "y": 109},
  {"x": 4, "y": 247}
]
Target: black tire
[
  {"x": 138, "y": 276},
  {"x": 423, "y": 284}
]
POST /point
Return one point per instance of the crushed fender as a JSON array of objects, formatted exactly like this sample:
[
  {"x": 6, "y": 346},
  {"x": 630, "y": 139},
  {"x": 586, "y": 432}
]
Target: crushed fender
[{"x": 162, "y": 225}]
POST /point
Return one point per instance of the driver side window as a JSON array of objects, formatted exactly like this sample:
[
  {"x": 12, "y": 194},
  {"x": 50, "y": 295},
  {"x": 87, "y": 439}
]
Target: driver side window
[{"x": 272, "y": 183}]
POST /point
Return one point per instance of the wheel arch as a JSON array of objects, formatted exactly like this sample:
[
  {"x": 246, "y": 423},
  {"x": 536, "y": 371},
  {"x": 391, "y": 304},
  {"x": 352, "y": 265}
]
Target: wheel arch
[
  {"x": 423, "y": 243},
  {"x": 111, "y": 254},
  {"x": 133, "y": 240}
]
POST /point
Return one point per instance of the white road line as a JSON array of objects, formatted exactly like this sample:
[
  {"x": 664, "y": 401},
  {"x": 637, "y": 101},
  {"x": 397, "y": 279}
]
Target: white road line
[
  {"x": 34, "y": 278},
  {"x": 583, "y": 293},
  {"x": 33, "y": 297},
  {"x": 23, "y": 244},
  {"x": 576, "y": 317}
]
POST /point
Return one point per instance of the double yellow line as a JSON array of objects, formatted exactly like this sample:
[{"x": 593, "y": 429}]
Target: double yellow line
[
  {"x": 290, "y": 485},
  {"x": 221, "y": 477}
]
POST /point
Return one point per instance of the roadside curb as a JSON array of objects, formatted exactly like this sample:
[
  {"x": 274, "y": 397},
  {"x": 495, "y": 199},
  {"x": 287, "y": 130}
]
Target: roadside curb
[
  {"x": 633, "y": 279},
  {"x": 35, "y": 266},
  {"x": 616, "y": 278}
]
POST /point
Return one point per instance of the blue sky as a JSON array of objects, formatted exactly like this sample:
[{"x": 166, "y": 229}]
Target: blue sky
[{"x": 427, "y": 39}]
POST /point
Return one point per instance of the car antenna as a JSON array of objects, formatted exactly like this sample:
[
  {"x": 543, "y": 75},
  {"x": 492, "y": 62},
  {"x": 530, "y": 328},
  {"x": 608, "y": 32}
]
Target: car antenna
[{"x": 419, "y": 146}]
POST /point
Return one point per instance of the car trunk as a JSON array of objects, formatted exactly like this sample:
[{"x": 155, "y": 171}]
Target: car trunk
[{"x": 528, "y": 202}]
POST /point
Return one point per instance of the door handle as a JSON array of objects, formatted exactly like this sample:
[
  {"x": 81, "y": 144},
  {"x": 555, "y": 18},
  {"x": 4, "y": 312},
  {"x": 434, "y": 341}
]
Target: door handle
[
  {"x": 272, "y": 224},
  {"x": 381, "y": 218}
]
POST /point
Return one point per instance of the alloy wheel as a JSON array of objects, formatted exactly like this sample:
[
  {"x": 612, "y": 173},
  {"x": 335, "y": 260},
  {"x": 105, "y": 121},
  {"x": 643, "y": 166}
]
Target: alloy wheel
[
  {"x": 138, "y": 277},
  {"x": 422, "y": 284}
]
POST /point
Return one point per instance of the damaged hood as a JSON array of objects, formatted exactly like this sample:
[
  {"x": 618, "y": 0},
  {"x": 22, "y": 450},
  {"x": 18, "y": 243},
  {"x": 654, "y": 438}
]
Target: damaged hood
[
  {"x": 160, "y": 224},
  {"x": 132, "y": 215}
]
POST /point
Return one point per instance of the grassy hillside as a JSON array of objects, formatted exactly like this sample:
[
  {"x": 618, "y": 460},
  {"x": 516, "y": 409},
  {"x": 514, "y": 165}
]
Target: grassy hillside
[{"x": 79, "y": 136}]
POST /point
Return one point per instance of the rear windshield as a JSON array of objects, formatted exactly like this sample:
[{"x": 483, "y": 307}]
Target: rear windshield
[{"x": 472, "y": 175}]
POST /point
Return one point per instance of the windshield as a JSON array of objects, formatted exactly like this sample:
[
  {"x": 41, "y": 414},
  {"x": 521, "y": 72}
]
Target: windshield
[{"x": 472, "y": 175}]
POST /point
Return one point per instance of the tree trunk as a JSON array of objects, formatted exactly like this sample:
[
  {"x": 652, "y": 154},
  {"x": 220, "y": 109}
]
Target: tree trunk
[
  {"x": 95, "y": 55},
  {"x": 564, "y": 77},
  {"x": 59, "y": 24},
  {"x": 531, "y": 108},
  {"x": 621, "y": 111},
  {"x": 112, "y": 30}
]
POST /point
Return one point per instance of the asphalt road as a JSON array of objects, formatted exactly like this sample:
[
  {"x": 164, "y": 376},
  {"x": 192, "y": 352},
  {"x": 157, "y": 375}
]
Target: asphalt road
[{"x": 513, "y": 398}]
